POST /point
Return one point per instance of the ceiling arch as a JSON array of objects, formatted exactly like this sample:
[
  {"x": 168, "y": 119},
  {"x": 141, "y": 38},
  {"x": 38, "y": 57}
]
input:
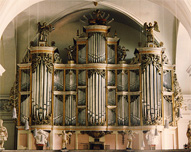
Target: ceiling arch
[{"x": 180, "y": 9}]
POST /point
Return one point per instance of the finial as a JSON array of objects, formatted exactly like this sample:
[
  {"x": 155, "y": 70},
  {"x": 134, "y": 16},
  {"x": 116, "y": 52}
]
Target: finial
[
  {"x": 161, "y": 44},
  {"x": 115, "y": 33}
]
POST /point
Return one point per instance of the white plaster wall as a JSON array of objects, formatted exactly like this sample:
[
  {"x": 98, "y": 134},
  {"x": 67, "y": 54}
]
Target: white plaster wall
[
  {"x": 183, "y": 60},
  {"x": 8, "y": 59}
]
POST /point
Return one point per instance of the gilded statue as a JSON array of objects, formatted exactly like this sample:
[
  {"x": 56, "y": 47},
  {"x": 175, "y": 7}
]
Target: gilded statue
[
  {"x": 3, "y": 134},
  {"x": 188, "y": 134},
  {"x": 43, "y": 30},
  {"x": 149, "y": 30}
]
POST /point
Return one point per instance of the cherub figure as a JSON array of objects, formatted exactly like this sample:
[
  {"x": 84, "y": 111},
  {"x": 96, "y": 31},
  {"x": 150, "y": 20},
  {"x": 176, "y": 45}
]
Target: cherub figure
[
  {"x": 149, "y": 30},
  {"x": 3, "y": 134},
  {"x": 130, "y": 136},
  {"x": 122, "y": 53},
  {"x": 44, "y": 30},
  {"x": 65, "y": 138},
  {"x": 70, "y": 53}
]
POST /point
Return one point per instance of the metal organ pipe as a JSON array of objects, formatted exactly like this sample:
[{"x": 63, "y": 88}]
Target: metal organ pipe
[
  {"x": 96, "y": 48},
  {"x": 151, "y": 91},
  {"x": 148, "y": 93},
  {"x": 44, "y": 82},
  {"x": 41, "y": 84},
  {"x": 96, "y": 103},
  {"x": 100, "y": 104},
  {"x": 155, "y": 94}
]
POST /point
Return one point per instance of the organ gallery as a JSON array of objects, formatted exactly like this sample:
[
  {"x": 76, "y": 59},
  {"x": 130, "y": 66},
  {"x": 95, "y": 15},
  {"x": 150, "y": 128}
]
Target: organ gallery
[{"x": 98, "y": 95}]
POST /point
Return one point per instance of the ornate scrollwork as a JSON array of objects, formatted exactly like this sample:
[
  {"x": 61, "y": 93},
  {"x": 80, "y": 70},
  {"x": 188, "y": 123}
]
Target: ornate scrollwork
[
  {"x": 168, "y": 98},
  {"x": 46, "y": 58},
  {"x": 57, "y": 58},
  {"x": 100, "y": 72},
  {"x": 178, "y": 98},
  {"x": 14, "y": 92},
  {"x": 96, "y": 134},
  {"x": 151, "y": 59},
  {"x": 135, "y": 59},
  {"x": 164, "y": 58},
  {"x": 5, "y": 105},
  {"x": 155, "y": 121},
  {"x": 46, "y": 121}
]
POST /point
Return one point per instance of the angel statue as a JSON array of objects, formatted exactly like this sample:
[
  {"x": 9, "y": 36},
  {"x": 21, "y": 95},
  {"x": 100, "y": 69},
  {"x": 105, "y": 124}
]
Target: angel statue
[
  {"x": 65, "y": 138},
  {"x": 44, "y": 30},
  {"x": 149, "y": 30},
  {"x": 122, "y": 53},
  {"x": 130, "y": 136},
  {"x": 70, "y": 53}
]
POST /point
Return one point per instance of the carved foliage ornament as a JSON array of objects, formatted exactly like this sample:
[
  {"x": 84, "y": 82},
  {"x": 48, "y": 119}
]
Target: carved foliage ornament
[
  {"x": 178, "y": 98},
  {"x": 57, "y": 58},
  {"x": 96, "y": 134},
  {"x": 164, "y": 58},
  {"x": 14, "y": 92},
  {"x": 156, "y": 121},
  {"x": 45, "y": 58},
  {"x": 99, "y": 72},
  {"x": 45, "y": 121},
  {"x": 135, "y": 59},
  {"x": 151, "y": 59}
]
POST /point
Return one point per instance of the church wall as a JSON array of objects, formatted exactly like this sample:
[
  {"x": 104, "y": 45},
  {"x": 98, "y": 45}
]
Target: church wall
[
  {"x": 8, "y": 57},
  {"x": 183, "y": 64}
]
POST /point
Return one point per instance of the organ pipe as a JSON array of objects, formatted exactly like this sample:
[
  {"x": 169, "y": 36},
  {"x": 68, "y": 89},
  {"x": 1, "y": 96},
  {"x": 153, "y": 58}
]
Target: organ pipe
[{"x": 96, "y": 103}]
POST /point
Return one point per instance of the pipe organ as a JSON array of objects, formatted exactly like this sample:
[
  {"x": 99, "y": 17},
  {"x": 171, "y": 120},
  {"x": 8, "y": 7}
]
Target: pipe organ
[{"x": 98, "y": 89}]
